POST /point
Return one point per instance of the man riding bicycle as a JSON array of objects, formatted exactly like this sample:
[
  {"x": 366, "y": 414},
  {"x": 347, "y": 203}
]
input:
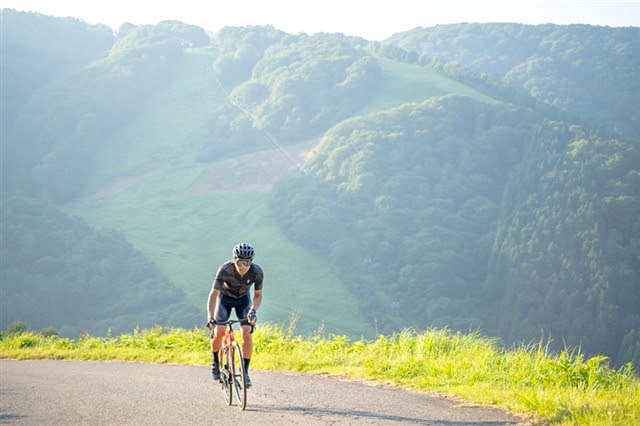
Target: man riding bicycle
[{"x": 230, "y": 290}]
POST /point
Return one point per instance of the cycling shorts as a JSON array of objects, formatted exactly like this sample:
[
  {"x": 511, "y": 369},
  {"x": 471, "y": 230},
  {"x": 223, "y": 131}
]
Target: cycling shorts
[{"x": 227, "y": 303}]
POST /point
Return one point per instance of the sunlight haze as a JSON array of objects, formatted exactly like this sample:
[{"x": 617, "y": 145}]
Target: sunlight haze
[{"x": 370, "y": 20}]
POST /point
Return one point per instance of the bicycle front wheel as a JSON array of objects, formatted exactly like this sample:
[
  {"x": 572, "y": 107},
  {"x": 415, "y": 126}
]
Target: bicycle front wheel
[
  {"x": 225, "y": 374},
  {"x": 239, "y": 376}
]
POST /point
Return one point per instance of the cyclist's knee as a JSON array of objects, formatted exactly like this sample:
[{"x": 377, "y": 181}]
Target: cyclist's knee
[
  {"x": 246, "y": 331},
  {"x": 218, "y": 332}
]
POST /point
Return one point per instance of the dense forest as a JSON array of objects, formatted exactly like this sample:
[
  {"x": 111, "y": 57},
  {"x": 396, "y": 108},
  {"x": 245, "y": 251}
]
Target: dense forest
[
  {"x": 469, "y": 221},
  {"x": 474, "y": 176}
]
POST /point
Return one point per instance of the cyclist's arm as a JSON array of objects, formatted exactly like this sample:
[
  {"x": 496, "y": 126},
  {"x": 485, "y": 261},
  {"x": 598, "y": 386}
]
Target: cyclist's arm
[
  {"x": 257, "y": 299},
  {"x": 211, "y": 304}
]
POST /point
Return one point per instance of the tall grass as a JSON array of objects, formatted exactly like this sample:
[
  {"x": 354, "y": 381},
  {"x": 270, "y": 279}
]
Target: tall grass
[{"x": 551, "y": 388}]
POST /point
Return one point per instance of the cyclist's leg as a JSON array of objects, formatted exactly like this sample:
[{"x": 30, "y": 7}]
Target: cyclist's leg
[
  {"x": 242, "y": 310},
  {"x": 247, "y": 347},
  {"x": 221, "y": 314},
  {"x": 247, "y": 339}
]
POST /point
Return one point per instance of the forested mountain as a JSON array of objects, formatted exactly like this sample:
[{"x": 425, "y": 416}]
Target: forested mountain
[
  {"x": 587, "y": 70},
  {"x": 499, "y": 192},
  {"x": 53, "y": 264},
  {"x": 458, "y": 213},
  {"x": 59, "y": 46}
]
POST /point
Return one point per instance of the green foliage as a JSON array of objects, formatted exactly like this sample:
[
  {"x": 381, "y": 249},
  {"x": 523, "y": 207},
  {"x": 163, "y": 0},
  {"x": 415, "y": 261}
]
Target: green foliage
[
  {"x": 59, "y": 46},
  {"x": 479, "y": 208},
  {"x": 82, "y": 109},
  {"x": 239, "y": 49},
  {"x": 165, "y": 40},
  {"x": 401, "y": 178},
  {"x": 49, "y": 332},
  {"x": 313, "y": 82},
  {"x": 572, "y": 239},
  {"x": 58, "y": 271},
  {"x": 589, "y": 71},
  {"x": 37, "y": 52},
  {"x": 17, "y": 327}
]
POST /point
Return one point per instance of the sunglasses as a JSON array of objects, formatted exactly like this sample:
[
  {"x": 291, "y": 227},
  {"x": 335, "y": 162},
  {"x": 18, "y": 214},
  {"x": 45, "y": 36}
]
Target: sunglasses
[{"x": 243, "y": 262}]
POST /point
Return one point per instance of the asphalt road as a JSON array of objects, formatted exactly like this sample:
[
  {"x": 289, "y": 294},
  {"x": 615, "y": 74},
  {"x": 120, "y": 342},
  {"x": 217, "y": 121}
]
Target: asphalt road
[{"x": 94, "y": 392}]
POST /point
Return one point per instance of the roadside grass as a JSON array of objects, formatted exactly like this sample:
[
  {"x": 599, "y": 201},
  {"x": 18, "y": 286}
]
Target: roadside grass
[{"x": 549, "y": 388}]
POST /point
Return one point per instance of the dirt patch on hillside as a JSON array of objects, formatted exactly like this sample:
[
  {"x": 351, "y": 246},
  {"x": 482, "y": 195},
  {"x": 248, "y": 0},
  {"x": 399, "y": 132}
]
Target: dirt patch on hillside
[{"x": 257, "y": 171}]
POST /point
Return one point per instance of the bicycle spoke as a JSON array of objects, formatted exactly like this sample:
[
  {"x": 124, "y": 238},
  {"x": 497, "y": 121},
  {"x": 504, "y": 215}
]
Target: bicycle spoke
[
  {"x": 239, "y": 376},
  {"x": 225, "y": 375}
]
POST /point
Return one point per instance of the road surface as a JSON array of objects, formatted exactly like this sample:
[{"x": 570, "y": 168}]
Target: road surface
[{"x": 96, "y": 392}]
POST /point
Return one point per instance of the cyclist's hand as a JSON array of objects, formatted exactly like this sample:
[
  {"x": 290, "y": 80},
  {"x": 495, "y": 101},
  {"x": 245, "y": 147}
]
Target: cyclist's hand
[
  {"x": 251, "y": 317},
  {"x": 211, "y": 323}
]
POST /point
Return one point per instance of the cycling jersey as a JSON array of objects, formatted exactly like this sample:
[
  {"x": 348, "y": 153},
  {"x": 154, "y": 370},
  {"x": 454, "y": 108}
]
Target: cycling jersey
[{"x": 229, "y": 282}]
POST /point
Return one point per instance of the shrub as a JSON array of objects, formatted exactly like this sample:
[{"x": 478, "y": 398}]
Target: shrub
[
  {"x": 49, "y": 332},
  {"x": 17, "y": 327}
]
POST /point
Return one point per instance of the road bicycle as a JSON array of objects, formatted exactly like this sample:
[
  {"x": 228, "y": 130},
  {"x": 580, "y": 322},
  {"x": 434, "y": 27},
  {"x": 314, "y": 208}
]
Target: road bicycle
[{"x": 233, "y": 374}]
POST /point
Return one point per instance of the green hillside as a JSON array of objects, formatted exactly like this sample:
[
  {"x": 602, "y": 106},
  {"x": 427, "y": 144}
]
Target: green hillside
[
  {"x": 168, "y": 129},
  {"x": 189, "y": 238},
  {"x": 588, "y": 70},
  {"x": 383, "y": 187},
  {"x": 402, "y": 83},
  {"x": 146, "y": 196},
  {"x": 141, "y": 184}
]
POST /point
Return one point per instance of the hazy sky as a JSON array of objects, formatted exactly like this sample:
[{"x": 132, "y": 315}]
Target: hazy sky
[{"x": 371, "y": 19}]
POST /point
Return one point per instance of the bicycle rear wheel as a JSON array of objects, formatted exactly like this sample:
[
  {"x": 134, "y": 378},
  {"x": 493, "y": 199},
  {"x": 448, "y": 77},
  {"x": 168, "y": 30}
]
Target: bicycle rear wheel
[
  {"x": 225, "y": 375},
  {"x": 239, "y": 376}
]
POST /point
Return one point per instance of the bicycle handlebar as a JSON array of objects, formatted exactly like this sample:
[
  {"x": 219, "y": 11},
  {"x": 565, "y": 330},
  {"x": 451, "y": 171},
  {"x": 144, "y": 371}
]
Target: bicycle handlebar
[{"x": 227, "y": 322}]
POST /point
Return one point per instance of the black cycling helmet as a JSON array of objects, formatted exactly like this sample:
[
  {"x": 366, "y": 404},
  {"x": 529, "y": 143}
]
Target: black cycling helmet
[{"x": 243, "y": 251}]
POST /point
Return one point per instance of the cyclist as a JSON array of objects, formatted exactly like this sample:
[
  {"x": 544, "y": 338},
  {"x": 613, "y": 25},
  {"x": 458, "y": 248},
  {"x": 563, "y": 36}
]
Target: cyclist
[{"x": 230, "y": 290}]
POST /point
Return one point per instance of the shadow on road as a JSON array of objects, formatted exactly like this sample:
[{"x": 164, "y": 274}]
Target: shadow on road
[
  {"x": 353, "y": 415},
  {"x": 7, "y": 418}
]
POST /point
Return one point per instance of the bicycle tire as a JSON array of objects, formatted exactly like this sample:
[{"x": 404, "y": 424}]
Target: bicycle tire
[
  {"x": 225, "y": 375},
  {"x": 239, "y": 384}
]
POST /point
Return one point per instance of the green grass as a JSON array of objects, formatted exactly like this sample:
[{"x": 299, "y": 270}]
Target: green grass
[
  {"x": 188, "y": 238},
  {"x": 562, "y": 389},
  {"x": 405, "y": 83}
]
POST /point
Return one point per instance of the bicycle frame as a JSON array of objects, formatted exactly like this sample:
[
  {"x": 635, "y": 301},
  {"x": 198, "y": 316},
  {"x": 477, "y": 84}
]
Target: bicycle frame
[
  {"x": 227, "y": 345},
  {"x": 232, "y": 376}
]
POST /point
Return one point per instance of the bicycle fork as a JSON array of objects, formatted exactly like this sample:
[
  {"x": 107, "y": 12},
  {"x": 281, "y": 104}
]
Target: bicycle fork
[{"x": 226, "y": 373}]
